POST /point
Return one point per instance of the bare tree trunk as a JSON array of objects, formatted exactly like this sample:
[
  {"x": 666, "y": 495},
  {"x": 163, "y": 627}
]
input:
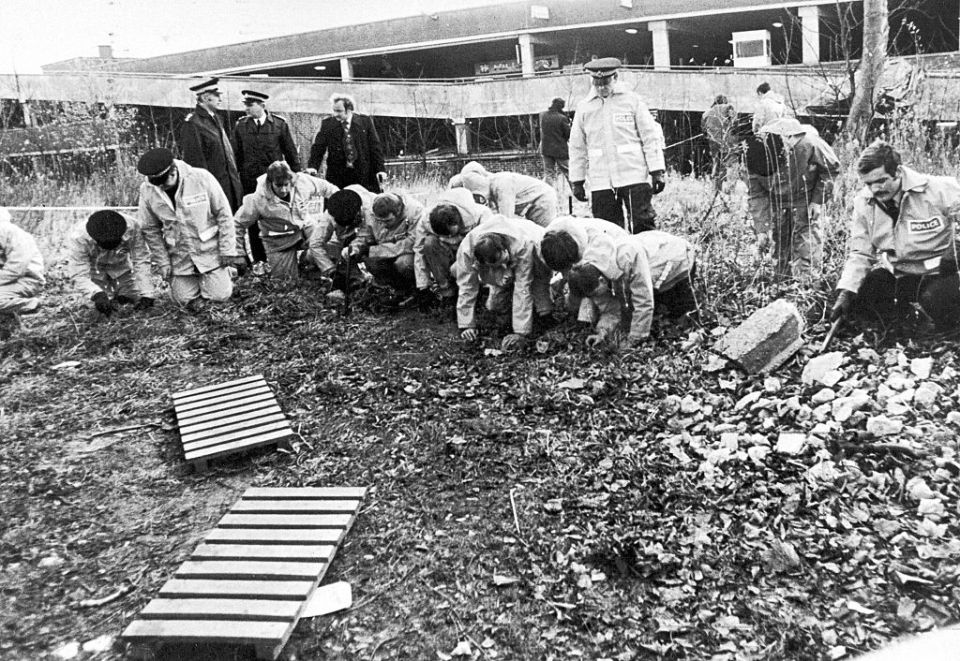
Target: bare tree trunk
[{"x": 875, "y": 30}]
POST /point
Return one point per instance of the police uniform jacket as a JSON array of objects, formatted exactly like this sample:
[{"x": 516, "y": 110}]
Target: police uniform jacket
[
  {"x": 205, "y": 144},
  {"x": 329, "y": 142},
  {"x": 257, "y": 146},
  {"x": 644, "y": 263},
  {"x": 389, "y": 242},
  {"x": 20, "y": 257},
  {"x": 915, "y": 242},
  {"x": 282, "y": 223},
  {"x": 614, "y": 142},
  {"x": 471, "y": 213},
  {"x": 190, "y": 237},
  {"x": 522, "y": 268},
  {"x": 509, "y": 193},
  {"x": 86, "y": 260}
]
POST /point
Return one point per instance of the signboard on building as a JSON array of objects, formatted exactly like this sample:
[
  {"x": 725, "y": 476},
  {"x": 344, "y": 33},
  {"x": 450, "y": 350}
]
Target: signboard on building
[{"x": 501, "y": 67}]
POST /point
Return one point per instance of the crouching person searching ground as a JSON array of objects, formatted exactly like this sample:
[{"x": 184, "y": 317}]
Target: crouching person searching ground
[
  {"x": 188, "y": 226},
  {"x": 502, "y": 253},
  {"x": 386, "y": 243},
  {"x": 902, "y": 245},
  {"x": 436, "y": 238},
  {"x": 286, "y": 206},
  {"x": 570, "y": 240},
  {"x": 348, "y": 210},
  {"x": 655, "y": 268},
  {"x": 109, "y": 262},
  {"x": 21, "y": 274}
]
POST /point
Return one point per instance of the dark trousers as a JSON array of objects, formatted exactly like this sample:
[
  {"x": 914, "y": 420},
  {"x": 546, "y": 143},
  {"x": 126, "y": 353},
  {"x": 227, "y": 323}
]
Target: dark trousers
[
  {"x": 610, "y": 204},
  {"x": 679, "y": 299},
  {"x": 885, "y": 299},
  {"x": 256, "y": 243}
]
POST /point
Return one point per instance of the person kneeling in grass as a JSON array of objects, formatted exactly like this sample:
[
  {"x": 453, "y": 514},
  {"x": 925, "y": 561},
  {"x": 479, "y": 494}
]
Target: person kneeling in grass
[
  {"x": 656, "y": 268},
  {"x": 511, "y": 193},
  {"x": 436, "y": 239},
  {"x": 286, "y": 206},
  {"x": 902, "y": 245},
  {"x": 502, "y": 253},
  {"x": 568, "y": 241},
  {"x": 21, "y": 274},
  {"x": 386, "y": 243},
  {"x": 109, "y": 262},
  {"x": 348, "y": 211}
]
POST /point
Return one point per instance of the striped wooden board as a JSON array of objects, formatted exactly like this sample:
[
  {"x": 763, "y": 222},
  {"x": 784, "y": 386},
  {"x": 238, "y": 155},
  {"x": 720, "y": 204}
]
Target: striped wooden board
[
  {"x": 227, "y": 418},
  {"x": 252, "y": 576}
]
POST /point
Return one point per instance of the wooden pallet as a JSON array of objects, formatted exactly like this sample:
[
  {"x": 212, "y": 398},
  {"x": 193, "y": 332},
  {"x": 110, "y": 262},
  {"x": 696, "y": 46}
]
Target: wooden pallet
[
  {"x": 249, "y": 580},
  {"x": 227, "y": 418}
]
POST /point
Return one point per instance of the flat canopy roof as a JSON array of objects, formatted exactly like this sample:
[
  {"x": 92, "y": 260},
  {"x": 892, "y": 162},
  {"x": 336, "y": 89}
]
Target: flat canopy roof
[{"x": 445, "y": 28}]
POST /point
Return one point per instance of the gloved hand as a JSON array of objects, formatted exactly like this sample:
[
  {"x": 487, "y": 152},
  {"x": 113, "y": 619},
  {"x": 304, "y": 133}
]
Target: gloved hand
[
  {"x": 469, "y": 335},
  {"x": 657, "y": 181},
  {"x": 578, "y": 191},
  {"x": 513, "y": 341},
  {"x": 843, "y": 305},
  {"x": 144, "y": 303},
  {"x": 103, "y": 303},
  {"x": 238, "y": 262}
]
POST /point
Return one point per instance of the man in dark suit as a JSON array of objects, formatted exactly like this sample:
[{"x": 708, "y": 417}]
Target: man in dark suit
[
  {"x": 205, "y": 144},
  {"x": 351, "y": 145},
  {"x": 554, "y": 134},
  {"x": 261, "y": 138}
]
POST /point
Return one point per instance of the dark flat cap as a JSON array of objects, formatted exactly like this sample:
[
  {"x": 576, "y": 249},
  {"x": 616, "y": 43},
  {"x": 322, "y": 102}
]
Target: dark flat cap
[
  {"x": 106, "y": 226},
  {"x": 206, "y": 86},
  {"x": 602, "y": 68},
  {"x": 249, "y": 96},
  {"x": 155, "y": 162}
]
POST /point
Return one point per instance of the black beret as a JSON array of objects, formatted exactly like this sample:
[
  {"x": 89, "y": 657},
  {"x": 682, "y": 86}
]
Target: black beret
[
  {"x": 155, "y": 162},
  {"x": 106, "y": 226}
]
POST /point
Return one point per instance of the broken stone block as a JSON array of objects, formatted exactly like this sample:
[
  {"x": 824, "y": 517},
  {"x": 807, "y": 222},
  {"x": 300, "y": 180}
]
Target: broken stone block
[
  {"x": 765, "y": 340},
  {"x": 823, "y": 396},
  {"x": 881, "y": 425},
  {"x": 790, "y": 443},
  {"x": 926, "y": 394},
  {"x": 823, "y": 369},
  {"x": 921, "y": 367}
]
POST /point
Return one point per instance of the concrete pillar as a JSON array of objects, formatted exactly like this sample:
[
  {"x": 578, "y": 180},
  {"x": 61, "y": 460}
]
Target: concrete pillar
[
  {"x": 810, "y": 33},
  {"x": 526, "y": 54},
  {"x": 661, "y": 44},
  {"x": 346, "y": 69},
  {"x": 462, "y": 129},
  {"x": 27, "y": 114}
]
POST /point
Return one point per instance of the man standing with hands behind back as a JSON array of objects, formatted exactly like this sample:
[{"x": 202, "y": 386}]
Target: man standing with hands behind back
[
  {"x": 554, "y": 133},
  {"x": 261, "y": 138},
  {"x": 205, "y": 143},
  {"x": 350, "y": 142},
  {"x": 617, "y": 147}
]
